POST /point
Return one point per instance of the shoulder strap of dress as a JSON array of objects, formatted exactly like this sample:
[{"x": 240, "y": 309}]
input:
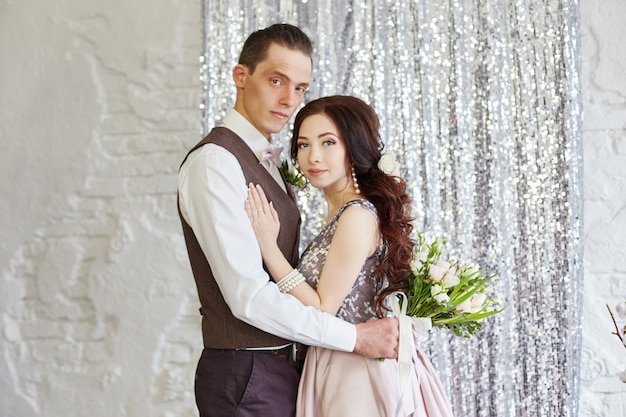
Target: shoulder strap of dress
[{"x": 366, "y": 204}]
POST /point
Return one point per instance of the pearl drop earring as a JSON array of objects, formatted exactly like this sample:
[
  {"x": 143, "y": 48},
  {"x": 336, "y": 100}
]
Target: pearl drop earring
[{"x": 356, "y": 184}]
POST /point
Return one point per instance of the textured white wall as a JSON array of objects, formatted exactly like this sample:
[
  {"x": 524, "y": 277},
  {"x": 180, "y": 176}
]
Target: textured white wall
[
  {"x": 98, "y": 105},
  {"x": 604, "y": 126}
]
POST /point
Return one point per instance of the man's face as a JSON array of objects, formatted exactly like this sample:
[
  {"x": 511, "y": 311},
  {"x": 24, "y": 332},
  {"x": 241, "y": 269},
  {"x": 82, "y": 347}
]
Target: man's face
[{"x": 268, "y": 97}]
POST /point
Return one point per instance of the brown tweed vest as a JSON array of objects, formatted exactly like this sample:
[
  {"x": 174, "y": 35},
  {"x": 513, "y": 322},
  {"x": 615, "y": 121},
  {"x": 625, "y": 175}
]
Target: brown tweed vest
[{"x": 220, "y": 329}]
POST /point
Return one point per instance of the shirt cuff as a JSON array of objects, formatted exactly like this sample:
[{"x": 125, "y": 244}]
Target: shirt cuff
[{"x": 345, "y": 335}]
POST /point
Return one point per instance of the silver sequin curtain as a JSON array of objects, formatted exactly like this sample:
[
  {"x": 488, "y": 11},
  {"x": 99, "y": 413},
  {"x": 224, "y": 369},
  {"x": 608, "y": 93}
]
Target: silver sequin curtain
[{"x": 481, "y": 100}]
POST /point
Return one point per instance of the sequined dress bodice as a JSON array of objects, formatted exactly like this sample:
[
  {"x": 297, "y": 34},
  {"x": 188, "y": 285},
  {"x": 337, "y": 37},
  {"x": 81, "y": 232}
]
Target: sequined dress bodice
[{"x": 358, "y": 306}]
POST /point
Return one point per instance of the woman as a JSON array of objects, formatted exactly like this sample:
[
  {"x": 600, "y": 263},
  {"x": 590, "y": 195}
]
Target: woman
[{"x": 360, "y": 257}]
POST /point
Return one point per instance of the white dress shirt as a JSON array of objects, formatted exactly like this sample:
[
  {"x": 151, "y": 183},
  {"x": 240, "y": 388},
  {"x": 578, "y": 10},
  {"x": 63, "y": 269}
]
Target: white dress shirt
[{"x": 212, "y": 190}]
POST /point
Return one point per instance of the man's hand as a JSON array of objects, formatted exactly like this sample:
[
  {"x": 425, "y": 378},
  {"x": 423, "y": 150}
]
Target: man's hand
[{"x": 377, "y": 338}]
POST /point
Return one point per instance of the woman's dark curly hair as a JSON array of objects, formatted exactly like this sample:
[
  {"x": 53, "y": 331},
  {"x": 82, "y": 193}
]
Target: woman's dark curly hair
[{"x": 358, "y": 126}]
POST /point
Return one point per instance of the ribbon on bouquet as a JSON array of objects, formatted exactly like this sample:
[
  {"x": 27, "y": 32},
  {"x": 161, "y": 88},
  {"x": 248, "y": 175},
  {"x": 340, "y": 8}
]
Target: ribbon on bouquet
[{"x": 410, "y": 327}]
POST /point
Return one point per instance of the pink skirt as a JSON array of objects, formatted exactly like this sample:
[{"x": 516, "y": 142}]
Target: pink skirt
[{"x": 341, "y": 384}]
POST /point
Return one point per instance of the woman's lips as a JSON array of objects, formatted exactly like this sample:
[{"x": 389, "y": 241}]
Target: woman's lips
[{"x": 316, "y": 172}]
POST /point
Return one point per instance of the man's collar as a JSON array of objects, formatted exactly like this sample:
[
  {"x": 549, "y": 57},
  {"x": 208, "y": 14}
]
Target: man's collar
[{"x": 246, "y": 131}]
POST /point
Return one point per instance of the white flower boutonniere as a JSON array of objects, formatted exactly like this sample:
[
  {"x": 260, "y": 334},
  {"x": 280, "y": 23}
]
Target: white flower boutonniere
[
  {"x": 389, "y": 164},
  {"x": 292, "y": 175}
]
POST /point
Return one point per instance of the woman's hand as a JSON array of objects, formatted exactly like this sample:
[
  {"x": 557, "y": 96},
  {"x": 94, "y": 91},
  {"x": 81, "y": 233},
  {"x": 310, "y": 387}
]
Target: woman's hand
[{"x": 263, "y": 217}]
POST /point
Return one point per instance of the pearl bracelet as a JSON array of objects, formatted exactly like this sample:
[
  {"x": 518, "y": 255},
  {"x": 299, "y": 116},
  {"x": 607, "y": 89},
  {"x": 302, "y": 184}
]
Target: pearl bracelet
[{"x": 290, "y": 281}]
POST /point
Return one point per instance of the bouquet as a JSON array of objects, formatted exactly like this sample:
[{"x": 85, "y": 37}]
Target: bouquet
[
  {"x": 441, "y": 294},
  {"x": 452, "y": 295}
]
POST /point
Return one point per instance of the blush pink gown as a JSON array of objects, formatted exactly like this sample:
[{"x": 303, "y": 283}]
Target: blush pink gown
[{"x": 341, "y": 384}]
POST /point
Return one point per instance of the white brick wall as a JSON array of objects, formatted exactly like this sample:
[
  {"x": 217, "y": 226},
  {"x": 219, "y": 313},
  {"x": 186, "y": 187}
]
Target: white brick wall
[
  {"x": 604, "y": 128},
  {"x": 99, "y": 105},
  {"x": 99, "y": 101}
]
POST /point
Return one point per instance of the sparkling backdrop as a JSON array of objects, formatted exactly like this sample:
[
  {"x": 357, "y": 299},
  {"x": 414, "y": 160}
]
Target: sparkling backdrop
[{"x": 481, "y": 100}]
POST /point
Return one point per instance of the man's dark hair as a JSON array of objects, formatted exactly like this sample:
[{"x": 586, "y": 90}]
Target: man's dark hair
[{"x": 256, "y": 46}]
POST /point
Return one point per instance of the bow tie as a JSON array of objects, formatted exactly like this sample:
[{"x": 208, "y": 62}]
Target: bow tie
[{"x": 272, "y": 153}]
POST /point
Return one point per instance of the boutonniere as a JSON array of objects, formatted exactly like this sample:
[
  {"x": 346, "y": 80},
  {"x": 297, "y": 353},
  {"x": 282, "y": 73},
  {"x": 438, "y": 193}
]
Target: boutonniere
[{"x": 292, "y": 175}]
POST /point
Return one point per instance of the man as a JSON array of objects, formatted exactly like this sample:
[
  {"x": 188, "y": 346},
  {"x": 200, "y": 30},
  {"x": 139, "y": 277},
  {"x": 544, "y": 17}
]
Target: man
[{"x": 249, "y": 365}]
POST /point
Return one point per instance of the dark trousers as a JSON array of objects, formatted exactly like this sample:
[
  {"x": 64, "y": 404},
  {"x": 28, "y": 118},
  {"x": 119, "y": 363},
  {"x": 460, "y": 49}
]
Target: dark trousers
[{"x": 240, "y": 383}]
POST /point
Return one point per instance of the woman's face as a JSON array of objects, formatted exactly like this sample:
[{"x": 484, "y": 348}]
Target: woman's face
[{"x": 322, "y": 154}]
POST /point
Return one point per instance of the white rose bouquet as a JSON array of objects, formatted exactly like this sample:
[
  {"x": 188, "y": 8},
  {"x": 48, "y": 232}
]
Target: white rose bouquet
[
  {"x": 441, "y": 294},
  {"x": 452, "y": 295}
]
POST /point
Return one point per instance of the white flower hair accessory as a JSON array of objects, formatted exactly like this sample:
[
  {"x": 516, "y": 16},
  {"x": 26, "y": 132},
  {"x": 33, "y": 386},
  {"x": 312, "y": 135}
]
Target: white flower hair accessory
[{"x": 389, "y": 164}]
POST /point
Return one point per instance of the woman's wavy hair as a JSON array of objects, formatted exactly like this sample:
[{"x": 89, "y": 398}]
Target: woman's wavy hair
[{"x": 359, "y": 126}]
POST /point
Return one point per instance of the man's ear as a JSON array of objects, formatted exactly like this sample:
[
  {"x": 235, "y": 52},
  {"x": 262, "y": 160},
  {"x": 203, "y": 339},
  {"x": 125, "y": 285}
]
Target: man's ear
[{"x": 239, "y": 75}]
